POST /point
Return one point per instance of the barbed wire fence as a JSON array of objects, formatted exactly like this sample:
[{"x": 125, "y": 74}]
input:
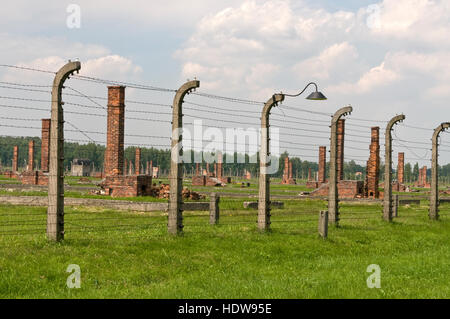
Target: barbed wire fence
[{"x": 148, "y": 123}]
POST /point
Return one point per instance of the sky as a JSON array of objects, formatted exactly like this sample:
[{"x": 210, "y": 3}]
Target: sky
[{"x": 382, "y": 58}]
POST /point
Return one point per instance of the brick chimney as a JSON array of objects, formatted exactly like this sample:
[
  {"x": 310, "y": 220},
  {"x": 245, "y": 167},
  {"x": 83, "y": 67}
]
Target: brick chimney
[
  {"x": 322, "y": 164},
  {"x": 286, "y": 170},
  {"x": 137, "y": 161},
  {"x": 401, "y": 168},
  {"x": 45, "y": 144},
  {"x": 114, "y": 154},
  {"x": 219, "y": 166},
  {"x": 340, "y": 149},
  {"x": 373, "y": 166},
  {"x": 31, "y": 155},
  {"x": 15, "y": 160}
]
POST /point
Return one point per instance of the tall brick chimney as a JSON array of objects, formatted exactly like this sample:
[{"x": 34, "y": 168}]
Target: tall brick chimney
[
  {"x": 401, "y": 168},
  {"x": 114, "y": 154},
  {"x": 322, "y": 164},
  {"x": 423, "y": 177},
  {"x": 137, "y": 161},
  {"x": 219, "y": 166},
  {"x": 340, "y": 149},
  {"x": 31, "y": 155},
  {"x": 286, "y": 169},
  {"x": 373, "y": 166},
  {"x": 15, "y": 160},
  {"x": 45, "y": 144}
]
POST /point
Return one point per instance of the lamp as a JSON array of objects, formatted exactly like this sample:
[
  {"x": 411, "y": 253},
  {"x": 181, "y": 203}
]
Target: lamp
[{"x": 317, "y": 95}]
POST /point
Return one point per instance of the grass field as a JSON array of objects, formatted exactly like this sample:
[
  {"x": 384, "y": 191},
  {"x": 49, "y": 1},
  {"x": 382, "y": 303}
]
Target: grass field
[{"x": 129, "y": 254}]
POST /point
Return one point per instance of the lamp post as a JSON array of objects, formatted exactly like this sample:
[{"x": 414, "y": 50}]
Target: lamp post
[{"x": 264, "y": 154}]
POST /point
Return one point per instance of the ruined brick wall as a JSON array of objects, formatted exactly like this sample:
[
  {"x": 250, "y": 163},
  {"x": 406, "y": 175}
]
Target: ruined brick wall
[
  {"x": 137, "y": 161},
  {"x": 199, "y": 180},
  {"x": 34, "y": 178},
  {"x": 114, "y": 154},
  {"x": 340, "y": 149},
  {"x": 45, "y": 144},
  {"x": 346, "y": 189},
  {"x": 322, "y": 164},
  {"x": 128, "y": 186},
  {"x": 397, "y": 187},
  {"x": 31, "y": 155},
  {"x": 401, "y": 168},
  {"x": 373, "y": 165},
  {"x": 15, "y": 160}
]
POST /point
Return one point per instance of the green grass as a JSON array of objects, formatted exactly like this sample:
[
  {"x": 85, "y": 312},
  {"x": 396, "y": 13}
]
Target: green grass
[{"x": 129, "y": 255}]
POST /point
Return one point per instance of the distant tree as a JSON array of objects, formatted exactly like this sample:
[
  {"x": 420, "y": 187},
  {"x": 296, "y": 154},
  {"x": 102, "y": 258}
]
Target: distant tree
[
  {"x": 408, "y": 173},
  {"x": 415, "y": 173}
]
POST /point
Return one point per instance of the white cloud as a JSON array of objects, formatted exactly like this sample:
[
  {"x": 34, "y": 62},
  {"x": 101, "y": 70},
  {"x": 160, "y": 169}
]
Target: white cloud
[
  {"x": 376, "y": 77},
  {"x": 46, "y": 14},
  {"x": 337, "y": 56},
  {"x": 52, "y": 53}
]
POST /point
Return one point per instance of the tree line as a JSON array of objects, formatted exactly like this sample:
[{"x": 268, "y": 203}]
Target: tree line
[{"x": 161, "y": 158}]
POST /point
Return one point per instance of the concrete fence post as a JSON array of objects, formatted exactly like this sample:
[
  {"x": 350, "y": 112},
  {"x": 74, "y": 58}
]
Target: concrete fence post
[
  {"x": 323, "y": 224},
  {"x": 434, "y": 200},
  {"x": 214, "y": 208},
  {"x": 333, "y": 206},
  {"x": 55, "y": 211},
  {"x": 396, "y": 202},
  {"x": 175, "y": 213},
  {"x": 388, "y": 206},
  {"x": 264, "y": 182}
]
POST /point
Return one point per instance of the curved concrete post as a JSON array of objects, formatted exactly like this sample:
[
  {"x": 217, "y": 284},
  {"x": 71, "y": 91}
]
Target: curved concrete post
[
  {"x": 264, "y": 183},
  {"x": 55, "y": 211},
  {"x": 333, "y": 208},
  {"x": 434, "y": 200},
  {"x": 175, "y": 213},
  {"x": 388, "y": 205}
]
